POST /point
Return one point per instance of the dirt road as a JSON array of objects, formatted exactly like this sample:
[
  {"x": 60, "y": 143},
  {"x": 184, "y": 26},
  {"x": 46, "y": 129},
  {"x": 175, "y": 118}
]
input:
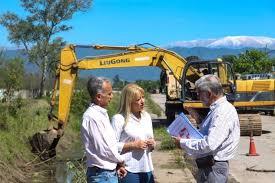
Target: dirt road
[
  {"x": 166, "y": 171},
  {"x": 265, "y": 146}
]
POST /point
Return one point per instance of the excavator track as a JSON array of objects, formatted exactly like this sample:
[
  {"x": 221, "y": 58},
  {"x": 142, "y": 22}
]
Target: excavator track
[{"x": 250, "y": 123}]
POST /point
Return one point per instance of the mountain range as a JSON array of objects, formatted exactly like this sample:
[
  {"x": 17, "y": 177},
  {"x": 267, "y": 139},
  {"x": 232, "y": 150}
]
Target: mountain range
[
  {"x": 232, "y": 42},
  {"x": 204, "y": 49}
]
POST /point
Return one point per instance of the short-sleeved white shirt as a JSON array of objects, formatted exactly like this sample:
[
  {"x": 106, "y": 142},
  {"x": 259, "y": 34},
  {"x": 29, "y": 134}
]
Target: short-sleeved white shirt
[{"x": 136, "y": 129}]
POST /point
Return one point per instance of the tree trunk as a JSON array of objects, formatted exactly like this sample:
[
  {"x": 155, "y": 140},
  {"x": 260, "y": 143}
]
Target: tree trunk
[{"x": 43, "y": 78}]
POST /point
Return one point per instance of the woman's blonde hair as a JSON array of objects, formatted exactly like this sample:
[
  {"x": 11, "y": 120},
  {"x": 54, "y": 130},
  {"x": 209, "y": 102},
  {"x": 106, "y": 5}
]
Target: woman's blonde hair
[{"x": 128, "y": 94}]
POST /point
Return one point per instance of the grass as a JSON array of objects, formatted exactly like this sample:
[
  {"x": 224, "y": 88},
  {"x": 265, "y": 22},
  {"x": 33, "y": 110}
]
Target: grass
[
  {"x": 152, "y": 106},
  {"x": 113, "y": 106},
  {"x": 79, "y": 171},
  {"x": 161, "y": 135},
  {"x": 167, "y": 144},
  {"x": 179, "y": 158},
  {"x": 20, "y": 123},
  {"x": 20, "y": 120}
]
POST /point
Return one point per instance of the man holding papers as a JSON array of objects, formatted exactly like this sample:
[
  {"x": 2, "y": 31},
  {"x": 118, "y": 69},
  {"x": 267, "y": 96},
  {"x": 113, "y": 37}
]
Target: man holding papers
[{"x": 220, "y": 132}]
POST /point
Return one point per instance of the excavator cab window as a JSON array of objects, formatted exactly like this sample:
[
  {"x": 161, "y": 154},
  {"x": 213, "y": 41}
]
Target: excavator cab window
[{"x": 196, "y": 69}]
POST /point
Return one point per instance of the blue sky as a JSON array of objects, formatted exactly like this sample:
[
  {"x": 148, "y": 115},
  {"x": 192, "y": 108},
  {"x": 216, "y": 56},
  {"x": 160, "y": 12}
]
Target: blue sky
[{"x": 160, "y": 22}]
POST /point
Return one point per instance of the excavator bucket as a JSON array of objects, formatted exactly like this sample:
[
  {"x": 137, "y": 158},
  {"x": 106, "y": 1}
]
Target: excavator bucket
[{"x": 44, "y": 143}]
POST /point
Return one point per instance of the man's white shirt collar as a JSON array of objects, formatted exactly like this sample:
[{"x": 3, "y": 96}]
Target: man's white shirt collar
[
  {"x": 217, "y": 102},
  {"x": 98, "y": 108}
]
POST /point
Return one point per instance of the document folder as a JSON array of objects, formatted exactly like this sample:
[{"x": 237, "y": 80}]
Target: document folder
[{"x": 182, "y": 127}]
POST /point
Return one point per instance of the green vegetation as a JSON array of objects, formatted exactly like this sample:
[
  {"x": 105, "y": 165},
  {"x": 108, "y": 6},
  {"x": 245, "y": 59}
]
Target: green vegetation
[
  {"x": 148, "y": 85},
  {"x": 19, "y": 120},
  {"x": 113, "y": 106},
  {"x": 80, "y": 102},
  {"x": 179, "y": 159},
  {"x": 39, "y": 31},
  {"x": 152, "y": 107},
  {"x": 167, "y": 143},
  {"x": 79, "y": 171},
  {"x": 12, "y": 73},
  {"x": 118, "y": 84},
  {"x": 251, "y": 62}
]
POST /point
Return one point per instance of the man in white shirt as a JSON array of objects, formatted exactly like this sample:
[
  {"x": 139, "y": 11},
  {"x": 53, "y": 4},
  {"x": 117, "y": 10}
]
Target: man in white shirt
[
  {"x": 98, "y": 136},
  {"x": 221, "y": 131}
]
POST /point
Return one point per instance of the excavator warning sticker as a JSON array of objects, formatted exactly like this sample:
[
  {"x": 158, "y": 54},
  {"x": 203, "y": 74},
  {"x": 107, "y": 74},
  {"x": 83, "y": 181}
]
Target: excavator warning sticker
[
  {"x": 142, "y": 58},
  {"x": 67, "y": 81}
]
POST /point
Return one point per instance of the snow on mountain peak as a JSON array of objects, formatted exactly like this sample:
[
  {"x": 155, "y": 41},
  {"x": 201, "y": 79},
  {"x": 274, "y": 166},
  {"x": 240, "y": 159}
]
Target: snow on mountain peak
[{"x": 229, "y": 42}]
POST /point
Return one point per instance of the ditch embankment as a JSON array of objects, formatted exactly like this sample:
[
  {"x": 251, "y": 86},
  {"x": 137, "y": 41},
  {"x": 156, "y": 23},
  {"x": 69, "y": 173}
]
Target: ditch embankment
[{"x": 19, "y": 120}]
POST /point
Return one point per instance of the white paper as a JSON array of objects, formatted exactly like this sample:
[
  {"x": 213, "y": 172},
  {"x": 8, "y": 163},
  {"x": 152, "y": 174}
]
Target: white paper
[{"x": 182, "y": 127}]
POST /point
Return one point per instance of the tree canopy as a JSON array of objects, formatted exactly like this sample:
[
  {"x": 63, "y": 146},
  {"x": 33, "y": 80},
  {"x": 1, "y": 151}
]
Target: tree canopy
[
  {"x": 118, "y": 84},
  {"x": 37, "y": 32},
  {"x": 12, "y": 72},
  {"x": 251, "y": 62}
]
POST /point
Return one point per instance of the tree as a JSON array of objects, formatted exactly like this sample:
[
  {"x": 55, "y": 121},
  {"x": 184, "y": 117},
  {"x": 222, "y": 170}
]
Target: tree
[
  {"x": 13, "y": 71},
  {"x": 253, "y": 62},
  {"x": 1, "y": 68},
  {"x": 229, "y": 58},
  {"x": 192, "y": 58},
  {"x": 148, "y": 85},
  {"x": 38, "y": 31},
  {"x": 273, "y": 62},
  {"x": 250, "y": 62},
  {"x": 117, "y": 82}
]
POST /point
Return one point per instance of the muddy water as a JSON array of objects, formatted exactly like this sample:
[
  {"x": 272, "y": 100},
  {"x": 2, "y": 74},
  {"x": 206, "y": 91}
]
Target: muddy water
[{"x": 61, "y": 173}]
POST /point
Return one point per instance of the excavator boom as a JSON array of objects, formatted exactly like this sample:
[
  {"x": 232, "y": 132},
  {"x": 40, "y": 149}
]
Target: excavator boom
[{"x": 136, "y": 57}]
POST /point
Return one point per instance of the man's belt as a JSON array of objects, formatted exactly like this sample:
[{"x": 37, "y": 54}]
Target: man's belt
[{"x": 97, "y": 170}]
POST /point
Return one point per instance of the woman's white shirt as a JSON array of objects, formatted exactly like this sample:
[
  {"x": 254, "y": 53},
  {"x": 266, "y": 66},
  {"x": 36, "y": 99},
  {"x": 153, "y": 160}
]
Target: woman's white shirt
[{"x": 136, "y": 129}]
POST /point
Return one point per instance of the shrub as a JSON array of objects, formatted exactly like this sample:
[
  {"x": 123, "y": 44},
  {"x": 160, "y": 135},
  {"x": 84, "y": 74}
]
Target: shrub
[{"x": 167, "y": 143}]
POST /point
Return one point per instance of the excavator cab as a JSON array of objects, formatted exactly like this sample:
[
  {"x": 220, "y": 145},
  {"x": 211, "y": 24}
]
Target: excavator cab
[
  {"x": 221, "y": 69},
  {"x": 184, "y": 93}
]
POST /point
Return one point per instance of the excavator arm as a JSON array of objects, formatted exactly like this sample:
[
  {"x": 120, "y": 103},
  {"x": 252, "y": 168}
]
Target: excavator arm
[{"x": 131, "y": 57}]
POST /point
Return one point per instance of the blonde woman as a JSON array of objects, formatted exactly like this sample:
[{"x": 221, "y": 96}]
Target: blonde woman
[{"x": 133, "y": 128}]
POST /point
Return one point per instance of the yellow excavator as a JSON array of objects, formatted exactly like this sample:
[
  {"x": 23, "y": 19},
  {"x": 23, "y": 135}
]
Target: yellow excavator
[
  {"x": 186, "y": 73},
  {"x": 250, "y": 97}
]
